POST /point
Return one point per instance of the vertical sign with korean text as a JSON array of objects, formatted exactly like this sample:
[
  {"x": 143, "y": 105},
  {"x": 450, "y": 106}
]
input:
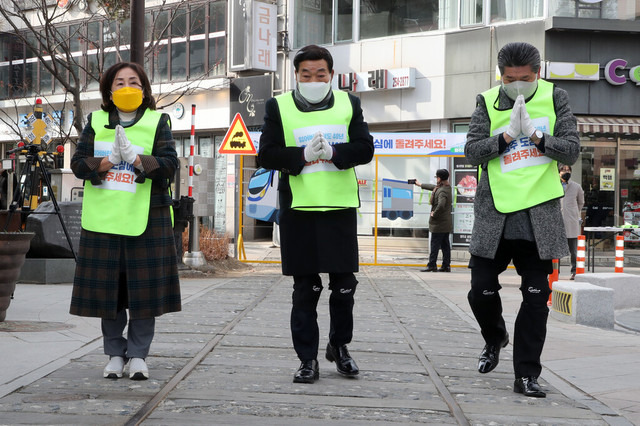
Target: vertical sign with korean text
[{"x": 264, "y": 36}]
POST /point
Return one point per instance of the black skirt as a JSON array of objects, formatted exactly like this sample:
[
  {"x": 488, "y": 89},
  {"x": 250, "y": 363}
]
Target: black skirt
[{"x": 313, "y": 241}]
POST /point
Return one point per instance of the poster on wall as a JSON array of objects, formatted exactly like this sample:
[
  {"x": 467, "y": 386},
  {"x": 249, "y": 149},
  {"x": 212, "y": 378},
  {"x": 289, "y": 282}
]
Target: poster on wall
[
  {"x": 464, "y": 182},
  {"x": 607, "y": 182}
]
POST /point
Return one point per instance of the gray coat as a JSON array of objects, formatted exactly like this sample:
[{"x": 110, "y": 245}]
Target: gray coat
[
  {"x": 572, "y": 204},
  {"x": 546, "y": 218}
]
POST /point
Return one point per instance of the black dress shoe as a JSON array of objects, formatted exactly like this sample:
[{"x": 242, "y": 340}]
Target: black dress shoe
[
  {"x": 529, "y": 387},
  {"x": 308, "y": 372},
  {"x": 490, "y": 356},
  {"x": 444, "y": 269},
  {"x": 344, "y": 363},
  {"x": 429, "y": 269}
]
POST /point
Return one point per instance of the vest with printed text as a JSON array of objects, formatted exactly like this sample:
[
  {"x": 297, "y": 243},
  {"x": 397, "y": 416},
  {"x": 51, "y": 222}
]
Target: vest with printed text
[
  {"x": 320, "y": 185},
  {"x": 522, "y": 176},
  {"x": 119, "y": 205}
]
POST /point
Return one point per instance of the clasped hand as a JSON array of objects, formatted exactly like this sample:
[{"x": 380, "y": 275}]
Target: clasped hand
[
  {"x": 124, "y": 146},
  {"x": 520, "y": 121},
  {"x": 318, "y": 148}
]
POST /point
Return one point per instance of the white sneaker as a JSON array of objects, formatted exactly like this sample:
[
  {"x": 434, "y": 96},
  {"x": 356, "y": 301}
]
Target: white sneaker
[
  {"x": 138, "y": 369},
  {"x": 114, "y": 369}
]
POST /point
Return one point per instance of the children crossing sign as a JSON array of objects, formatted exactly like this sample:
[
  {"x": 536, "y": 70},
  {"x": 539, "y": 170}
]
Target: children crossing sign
[{"x": 237, "y": 139}]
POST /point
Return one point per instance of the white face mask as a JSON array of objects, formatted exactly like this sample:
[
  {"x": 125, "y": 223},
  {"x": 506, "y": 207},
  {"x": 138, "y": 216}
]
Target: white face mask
[
  {"x": 314, "y": 92},
  {"x": 524, "y": 88}
]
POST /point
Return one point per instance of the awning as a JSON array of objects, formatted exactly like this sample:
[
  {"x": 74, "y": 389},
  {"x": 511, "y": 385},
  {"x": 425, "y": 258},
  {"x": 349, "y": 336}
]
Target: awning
[{"x": 596, "y": 124}]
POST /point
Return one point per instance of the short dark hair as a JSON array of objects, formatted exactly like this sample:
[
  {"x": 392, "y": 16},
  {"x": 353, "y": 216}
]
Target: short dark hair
[
  {"x": 442, "y": 174},
  {"x": 562, "y": 166},
  {"x": 519, "y": 54},
  {"x": 313, "y": 53},
  {"x": 107, "y": 81}
]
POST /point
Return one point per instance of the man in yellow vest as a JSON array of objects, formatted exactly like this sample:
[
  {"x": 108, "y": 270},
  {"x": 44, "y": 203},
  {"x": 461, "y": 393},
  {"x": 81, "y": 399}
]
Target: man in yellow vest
[
  {"x": 518, "y": 132},
  {"x": 315, "y": 137}
]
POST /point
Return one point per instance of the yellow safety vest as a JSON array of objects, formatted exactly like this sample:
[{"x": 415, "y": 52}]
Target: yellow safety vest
[
  {"x": 119, "y": 205},
  {"x": 522, "y": 176},
  {"x": 321, "y": 185}
]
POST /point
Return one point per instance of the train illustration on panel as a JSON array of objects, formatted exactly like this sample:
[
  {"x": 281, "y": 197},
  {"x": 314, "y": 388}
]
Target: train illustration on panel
[
  {"x": 262, "y": 195},
  {"x": 397, "y": 199}
]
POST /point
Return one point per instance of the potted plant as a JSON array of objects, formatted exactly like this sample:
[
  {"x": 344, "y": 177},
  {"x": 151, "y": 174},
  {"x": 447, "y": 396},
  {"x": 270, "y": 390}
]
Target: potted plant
[{"x": 13, "y": 248}]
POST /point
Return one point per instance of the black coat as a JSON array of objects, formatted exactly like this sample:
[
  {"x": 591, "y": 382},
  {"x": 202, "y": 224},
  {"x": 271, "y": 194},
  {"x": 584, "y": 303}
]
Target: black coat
[{"x": 314, "y": 241}]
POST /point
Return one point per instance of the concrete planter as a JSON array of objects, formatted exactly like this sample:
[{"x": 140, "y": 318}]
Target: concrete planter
[{"x": 13, "y": 248}]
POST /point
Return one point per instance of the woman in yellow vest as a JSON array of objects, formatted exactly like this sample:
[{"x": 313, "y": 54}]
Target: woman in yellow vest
[
  {"x": 518, "y": 131},
  {"x": 127, "y": 256},
  {"x": 315, "y": 137}
]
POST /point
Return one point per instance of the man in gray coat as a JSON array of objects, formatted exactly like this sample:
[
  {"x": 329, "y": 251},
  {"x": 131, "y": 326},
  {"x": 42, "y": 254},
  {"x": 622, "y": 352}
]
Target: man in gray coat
[
  {"x": 572, "y": 204},
  {"x": 518, "y": 132}
]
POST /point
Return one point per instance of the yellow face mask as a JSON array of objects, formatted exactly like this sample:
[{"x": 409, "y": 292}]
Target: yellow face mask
[{"x": 127, "y": 99}]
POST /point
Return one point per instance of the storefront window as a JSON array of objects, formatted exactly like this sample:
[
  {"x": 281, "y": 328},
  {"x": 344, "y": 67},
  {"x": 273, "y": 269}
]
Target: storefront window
[
  {"x": 470, "y": 12},
  {"x": 344, "y": 20},
  {"x": 605, "y": 9},
  {"x": 380, "y": 18},
  {"x": 507, "y": 10},
  {"x": 598, "y": 164},
  {"x": 629, "y": 178},
  {"x": 313, "y": 22}
]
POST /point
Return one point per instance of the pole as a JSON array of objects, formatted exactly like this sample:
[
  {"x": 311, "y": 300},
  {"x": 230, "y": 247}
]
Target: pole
[
  {"x": 619, "y": 262},
  {"x": 137, "y": 31},
  {"x": 193, "y": 257},
  {"x": 580, "y": 255}
]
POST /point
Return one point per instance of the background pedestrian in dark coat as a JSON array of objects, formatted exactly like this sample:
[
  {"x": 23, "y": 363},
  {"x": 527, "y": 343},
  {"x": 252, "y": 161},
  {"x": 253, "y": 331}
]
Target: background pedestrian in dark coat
[
  {"x": 116, "y": 272},
  {"x": 440, "y": 221},
  {"x": 320, "y": 237}
]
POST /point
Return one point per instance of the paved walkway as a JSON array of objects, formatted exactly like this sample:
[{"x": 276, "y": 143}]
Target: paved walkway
[{"x": 227, "y": 359}]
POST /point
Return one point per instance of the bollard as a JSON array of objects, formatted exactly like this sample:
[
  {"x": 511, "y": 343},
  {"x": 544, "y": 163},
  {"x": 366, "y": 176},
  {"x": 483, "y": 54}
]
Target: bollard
[
  {"x": 580, "y": 254},
  {"x": 619, "y": 265},
  {"x": 553, "y": 277}
]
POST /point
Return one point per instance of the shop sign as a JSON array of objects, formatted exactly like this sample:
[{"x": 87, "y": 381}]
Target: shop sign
[
  {"x": 380, "y": 79},
  {"x": 614, "y": 71},
  {"x": 433, "y": 144},
  {"x": 617, "y": 78},
  {"x": 437, "y": 144}
]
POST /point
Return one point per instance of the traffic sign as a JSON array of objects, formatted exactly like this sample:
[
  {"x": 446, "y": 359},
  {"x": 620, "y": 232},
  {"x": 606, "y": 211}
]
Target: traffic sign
[{"x": 237, "y": 139}]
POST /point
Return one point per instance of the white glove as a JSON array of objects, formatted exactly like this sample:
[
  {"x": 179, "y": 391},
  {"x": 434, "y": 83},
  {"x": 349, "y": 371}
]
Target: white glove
[
  {"x": 327, "y": 150},
  {"x": 114, "y": 156},
  {"x": 126, "y": 150},
  {"x": 515, "y": 127},
  {"x": 314, "y": 148},
  {"x": 525, "y": 122}
]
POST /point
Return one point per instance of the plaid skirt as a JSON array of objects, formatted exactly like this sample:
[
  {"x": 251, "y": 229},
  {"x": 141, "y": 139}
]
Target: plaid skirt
[{"x": 140, "y": 273}]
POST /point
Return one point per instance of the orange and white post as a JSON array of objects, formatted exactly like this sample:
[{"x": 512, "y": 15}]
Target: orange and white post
[
  {"x": 580, "y": 254},
  {"x": 619, "y": 254}
]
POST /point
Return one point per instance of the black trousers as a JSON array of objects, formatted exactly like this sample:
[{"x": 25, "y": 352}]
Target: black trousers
[
  {"x": 531, "y": 322},
  {"x": 304, "y": 317},
  {"x": 573, "y": 249},
  {"x": 439, "y": 241}
]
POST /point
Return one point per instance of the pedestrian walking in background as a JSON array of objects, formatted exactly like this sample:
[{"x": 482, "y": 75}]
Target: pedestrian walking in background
[
  {"x": 571, "y": 205},
  {"x": 440, "y": 221},
  {"x": 315, "y": 137},
  {"x": 518, "y": 132},
  {"x": 127, "y": 256}
]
